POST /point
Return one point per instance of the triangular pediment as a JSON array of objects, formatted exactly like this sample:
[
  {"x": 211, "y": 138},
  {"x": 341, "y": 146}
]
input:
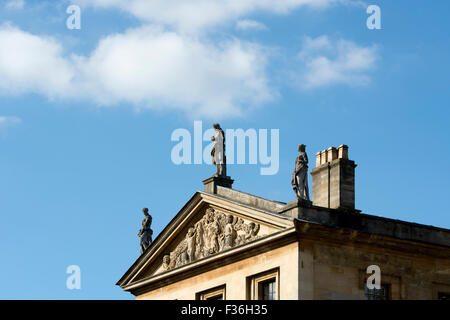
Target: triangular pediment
[{"x": 207, "y": 226}]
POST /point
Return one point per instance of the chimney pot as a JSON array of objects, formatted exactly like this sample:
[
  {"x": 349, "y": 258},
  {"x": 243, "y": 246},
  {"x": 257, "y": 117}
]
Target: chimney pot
[
  {"x": 332, "y": 154},
  {"x": 343, "y": 151},
  {"x": 333, "y": 186},
  {"x": 323, "y": 157},
  {"x": 318, "y": 163}
]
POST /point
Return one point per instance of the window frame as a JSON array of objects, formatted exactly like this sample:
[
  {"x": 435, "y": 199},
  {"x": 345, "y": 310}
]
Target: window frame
[
  {"x": 255, "y": 282},
  {"x": 387, "y": 288},
  {"x": 443, "y": 295},
  {"x": 440, "y": 289},
  {"x": 211, "y": 293},
  {"x": 394, "y": 281}
]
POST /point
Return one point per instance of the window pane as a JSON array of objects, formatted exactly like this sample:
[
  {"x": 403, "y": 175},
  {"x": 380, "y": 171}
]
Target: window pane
[
  {"x": 269, "y": 290},
  {"x": 376, "y": 294},
  {"x": 217, "y": 293},
  {"x": 443, "y": 296}
]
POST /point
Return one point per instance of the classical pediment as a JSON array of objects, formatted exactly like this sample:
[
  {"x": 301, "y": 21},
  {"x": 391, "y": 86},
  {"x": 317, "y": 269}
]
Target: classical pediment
[
  {"x": 205, "y": 228},
  {"x": 214, "y": 232}
]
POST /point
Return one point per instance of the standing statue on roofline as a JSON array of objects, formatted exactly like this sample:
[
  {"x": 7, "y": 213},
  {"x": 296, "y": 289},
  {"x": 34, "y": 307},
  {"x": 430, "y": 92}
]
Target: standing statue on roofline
[
  {"x": 300, "y": 176},
  {"x": 146, "y": 232},
  {"x": 218, "y": 151}
]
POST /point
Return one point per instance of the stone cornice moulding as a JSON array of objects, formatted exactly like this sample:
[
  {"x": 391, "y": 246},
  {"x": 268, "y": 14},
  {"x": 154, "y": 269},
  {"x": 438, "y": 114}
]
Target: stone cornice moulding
[
  {"x": 349, "y": 238},
  {"x": 270, "y": 218}
]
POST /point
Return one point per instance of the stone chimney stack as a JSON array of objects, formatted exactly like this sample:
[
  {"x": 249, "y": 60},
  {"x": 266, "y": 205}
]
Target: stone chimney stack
[{"x": 333, "y": 179}]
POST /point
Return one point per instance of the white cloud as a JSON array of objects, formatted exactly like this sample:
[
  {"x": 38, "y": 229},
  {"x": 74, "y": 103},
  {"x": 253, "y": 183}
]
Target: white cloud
[
  {"x": 15, "y": 4},
  {"x": 195, "y": 15},
  {"x": 6, "y": 122},
  {"x": 339, "y": 62},
  {"x": 152, "y": 68},
  {"x": 145, "y": 67},
  {"x": 30, "y": 63},
  {"x": 250, "y": 25}
]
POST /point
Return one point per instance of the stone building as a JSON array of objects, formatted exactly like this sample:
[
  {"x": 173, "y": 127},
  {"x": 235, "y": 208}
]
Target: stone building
[{"x": 227, "y": 244}]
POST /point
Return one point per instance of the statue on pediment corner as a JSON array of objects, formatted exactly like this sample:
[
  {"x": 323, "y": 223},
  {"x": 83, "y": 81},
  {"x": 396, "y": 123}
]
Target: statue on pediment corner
[{"x": 145, "y": 233}]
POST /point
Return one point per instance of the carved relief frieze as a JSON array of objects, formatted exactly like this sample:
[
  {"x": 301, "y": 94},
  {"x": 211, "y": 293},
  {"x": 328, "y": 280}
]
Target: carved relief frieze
[{"x": 213, "y": 233}]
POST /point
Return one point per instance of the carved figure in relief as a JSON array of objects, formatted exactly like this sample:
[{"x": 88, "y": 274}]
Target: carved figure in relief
[
  {"x": 199, "y": 239},
  {"x": 190, "y": 243},
  {"x": 230, "y": 234},
  {"x": 167, "y": 263},
  {"x": 252, "y": 231},
  {"x": 214, "y": 232}
]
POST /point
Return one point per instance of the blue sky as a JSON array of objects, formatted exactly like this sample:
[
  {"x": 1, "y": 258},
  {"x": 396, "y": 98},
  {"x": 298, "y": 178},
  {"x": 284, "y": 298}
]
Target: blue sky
[{"x": 86, "y": 118}]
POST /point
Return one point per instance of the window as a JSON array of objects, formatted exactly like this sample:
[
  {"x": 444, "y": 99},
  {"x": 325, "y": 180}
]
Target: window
[
  {"x": 443, "y": 296},
  {"x": 391, "y": 285},
  {"x": 217, "y": 293},
  {"x": 268, "y": 289},
  {"x": 264, "y": 286},
  {"x": 377, "y": 294},
  {"x": 441, "y": 291}
]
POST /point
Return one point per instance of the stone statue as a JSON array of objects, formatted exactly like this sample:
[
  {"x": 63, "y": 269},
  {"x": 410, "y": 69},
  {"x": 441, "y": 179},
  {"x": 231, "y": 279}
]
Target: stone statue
[
  {"x": 218, "y": 151},
  {"x": 146, "y": 232},
  {"x": 300, "y": 177}
]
